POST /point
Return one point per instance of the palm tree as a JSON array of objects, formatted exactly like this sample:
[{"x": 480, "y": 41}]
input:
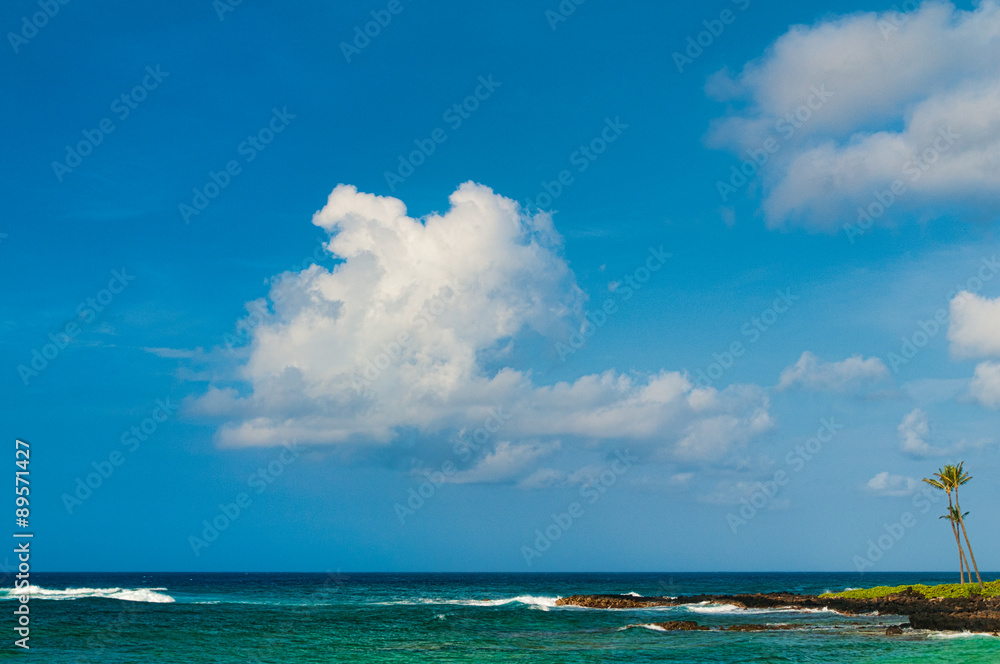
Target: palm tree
[
  {"x": 963, "y": 564},
  {"x": 958, "y": 477},
  {"x": 944, "y": 485}
]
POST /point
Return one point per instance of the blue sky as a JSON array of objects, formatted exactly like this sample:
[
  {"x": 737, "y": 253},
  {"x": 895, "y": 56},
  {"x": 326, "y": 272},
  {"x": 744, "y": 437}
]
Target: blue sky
[{"x": 223, "y": 263}]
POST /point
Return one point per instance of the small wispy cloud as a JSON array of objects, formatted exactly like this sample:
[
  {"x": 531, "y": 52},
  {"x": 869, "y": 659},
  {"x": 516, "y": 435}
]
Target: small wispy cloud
[
  {"x": 895, "y": 486},
  {"x": 175, "y": 353},
  {"x": 812, "y": 373}
]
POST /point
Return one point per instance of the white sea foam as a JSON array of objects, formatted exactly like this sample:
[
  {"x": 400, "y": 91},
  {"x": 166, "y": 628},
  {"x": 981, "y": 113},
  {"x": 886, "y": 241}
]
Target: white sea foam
[
  {"x": 713, "y": 608},
  {"x": 126, "y": 594},
  {"x": 959, "y": 635},
  {"x": 633, "y": 595},
  {"x": 710, "y": 608},
  {"x": 532, "y": 601}
]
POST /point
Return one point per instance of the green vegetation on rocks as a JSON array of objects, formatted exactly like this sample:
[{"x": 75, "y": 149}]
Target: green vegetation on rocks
[{"x": 991, "y": 589}]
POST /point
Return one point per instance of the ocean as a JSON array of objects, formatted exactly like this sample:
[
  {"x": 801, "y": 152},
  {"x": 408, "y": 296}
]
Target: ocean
[{"x": 333, "y": 617}]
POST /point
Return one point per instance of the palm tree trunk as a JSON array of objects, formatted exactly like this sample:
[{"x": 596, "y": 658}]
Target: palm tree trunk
[
  {"x": 961, "y": 521},
  {"x": 962, "y": 563},
  {"x": 961, "y": 554},
  {"x": 972, "y": 556}
]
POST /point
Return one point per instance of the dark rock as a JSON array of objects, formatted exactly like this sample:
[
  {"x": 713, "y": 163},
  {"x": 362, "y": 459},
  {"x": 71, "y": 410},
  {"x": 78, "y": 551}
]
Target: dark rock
[
  {"x": 894, "y": 631},
  {"x": 755, "y": 628},
  {"x": 680, "y": 625},
  {"x": 975, "y": 614}
]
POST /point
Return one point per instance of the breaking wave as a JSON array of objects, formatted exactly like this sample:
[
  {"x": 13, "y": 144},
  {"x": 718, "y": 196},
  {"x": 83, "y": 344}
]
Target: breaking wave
[
  {"x": 532, "y": 601},
  {"x": 732, "y": 609},
  {"x": 153, "y": 595}
]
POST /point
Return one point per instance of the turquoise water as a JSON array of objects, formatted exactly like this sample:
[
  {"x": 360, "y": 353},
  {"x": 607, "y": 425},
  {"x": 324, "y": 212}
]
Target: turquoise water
[{"x": 113, "y": 618}]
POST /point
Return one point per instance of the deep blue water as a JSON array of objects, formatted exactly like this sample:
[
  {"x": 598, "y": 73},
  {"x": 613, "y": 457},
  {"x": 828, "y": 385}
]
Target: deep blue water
[{"x": 333, "y": 617}]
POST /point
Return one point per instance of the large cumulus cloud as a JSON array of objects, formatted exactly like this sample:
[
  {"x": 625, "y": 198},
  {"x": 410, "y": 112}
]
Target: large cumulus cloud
[{"x": 413, "y": 330}]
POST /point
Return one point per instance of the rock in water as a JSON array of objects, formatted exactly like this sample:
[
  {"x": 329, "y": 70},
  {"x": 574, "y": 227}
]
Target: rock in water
[
  {"x": 755, "y": 627},
  {"x": 678, "y": 625}
]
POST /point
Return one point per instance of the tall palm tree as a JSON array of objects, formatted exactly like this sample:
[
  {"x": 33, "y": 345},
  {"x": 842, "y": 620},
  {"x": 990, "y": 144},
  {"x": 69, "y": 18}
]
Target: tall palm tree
[
  {"x": 957, "y": 478},
  {"x": 963, "y": 563},
  {"x": 942, "y": 484}
]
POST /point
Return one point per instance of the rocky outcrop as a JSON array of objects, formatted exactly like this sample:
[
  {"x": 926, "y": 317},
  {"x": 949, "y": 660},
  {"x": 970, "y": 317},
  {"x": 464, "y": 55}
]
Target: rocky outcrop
[
  {"x": 690, "y": 625},
  {"x": 680, "y": 625},
  {"x": 754, "y": 627},
  {"x": 974, "y": 614}
]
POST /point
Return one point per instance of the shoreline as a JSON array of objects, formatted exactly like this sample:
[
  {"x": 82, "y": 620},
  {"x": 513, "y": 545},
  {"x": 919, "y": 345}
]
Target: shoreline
[{"x": 945, "y": 614}]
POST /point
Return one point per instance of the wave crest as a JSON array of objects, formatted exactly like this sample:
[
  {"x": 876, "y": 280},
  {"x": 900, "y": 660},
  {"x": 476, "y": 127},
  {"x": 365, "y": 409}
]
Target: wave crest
[
  {"x": 152, "y": 595},
  {"x": 532, "y": 601},
  {"x": 732, "y": 609}
]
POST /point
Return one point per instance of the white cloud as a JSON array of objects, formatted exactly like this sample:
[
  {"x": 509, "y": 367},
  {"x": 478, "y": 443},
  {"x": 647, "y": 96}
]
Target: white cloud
[
  {"x": 913, "y": 433},
  {"x": 974, "y": 331},
  {"x": 543, "y": 478},
  {"x": 810, "y": 372},
  {"x": 915, "y": 438},
  {"x": 974, "y": 328},
  {"x": 913, "y": 97},
  {"x": 548, "y": 478},
  {"x": 985, "y": 385},
  {"x": 506, "y": 461},
  {"x": 413, "y": 329},
  {"x": 884, "y": 484}
]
